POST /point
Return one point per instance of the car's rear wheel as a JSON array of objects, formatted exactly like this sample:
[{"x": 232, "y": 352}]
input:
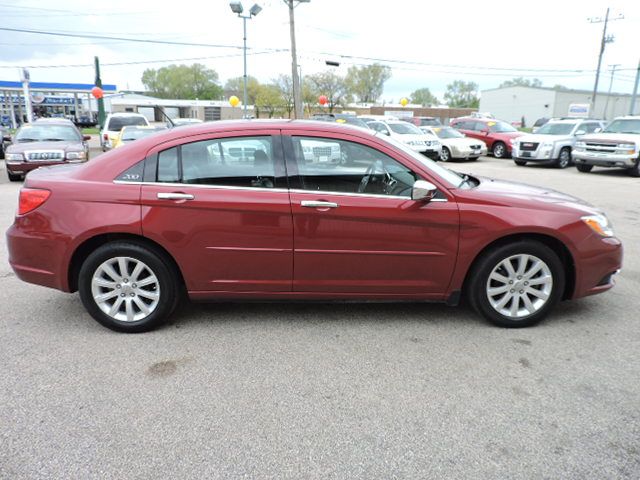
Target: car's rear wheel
[
  {"x": 584, "y": 168},
  {"x": 520, "y": 163},
  {"x": 14, "y": 177},
  {"x": 499, "y": 150},
  {"x": 516, "y": 285},
  {"x": 564, "y": 159},
  {"x": 128, "y": 287},
  {"x": 635, "y": 170},
  {"x": 445, "y": 154}
]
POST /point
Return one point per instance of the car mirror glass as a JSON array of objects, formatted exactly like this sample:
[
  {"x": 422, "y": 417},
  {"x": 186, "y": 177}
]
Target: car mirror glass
[
  {"x": 423, "y": 191},
  {"x": 581, "y": 132},
  {"x": 597, "y": 130}
]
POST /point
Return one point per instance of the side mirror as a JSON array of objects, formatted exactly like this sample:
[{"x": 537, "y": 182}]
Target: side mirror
[
  {"x": 486, "y": 131},
  {"x": 86, "y": 138},
  {"x": 6, "y": 138},
  {"x": 423, "y": 191},
  {"x": 597, "y": 130},
  {"x": 386, "y": 132},
  {"x": 581, "y": 132}
]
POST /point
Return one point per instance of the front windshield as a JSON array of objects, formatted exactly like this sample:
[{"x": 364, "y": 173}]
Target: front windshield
[
  {"x": 448, "y": 176},
  {"x": 500, "y": 127},
  {"x": 53, "y": 133},
  {"x": 447, "y": 132},
  {"x": 627, "y": 125},
  {"x": 405, "y": 128},
  {"x": 556, "y": 129}
]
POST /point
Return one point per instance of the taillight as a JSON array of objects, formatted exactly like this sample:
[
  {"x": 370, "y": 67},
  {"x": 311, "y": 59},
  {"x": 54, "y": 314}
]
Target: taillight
[
  {"x": 105, "y": 136},
  {"x": 31, "y": 198}
]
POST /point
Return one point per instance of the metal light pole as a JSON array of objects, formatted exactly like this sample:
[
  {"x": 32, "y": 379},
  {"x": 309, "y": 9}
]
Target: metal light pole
[
  {"x": 236, "y": 7},
  {"x": 297, "y": 97},
  {"x": 606, "y": 105},
  {"x": 635, "y": 91}
]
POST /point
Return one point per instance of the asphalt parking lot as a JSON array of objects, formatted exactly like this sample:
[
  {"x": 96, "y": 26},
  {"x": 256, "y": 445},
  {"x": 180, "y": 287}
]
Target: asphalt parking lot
[{"x": 329, "y": 391}]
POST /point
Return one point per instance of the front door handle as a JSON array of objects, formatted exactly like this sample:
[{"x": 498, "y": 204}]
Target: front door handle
[
  {"x": 318, "y": 204},
  {"x": 175, "y": 196}
]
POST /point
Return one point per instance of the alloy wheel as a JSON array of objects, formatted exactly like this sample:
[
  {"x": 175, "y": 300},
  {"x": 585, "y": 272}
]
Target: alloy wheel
[
  {"x": 519, "y": 286},
  {"x": 125, "y": 289}
]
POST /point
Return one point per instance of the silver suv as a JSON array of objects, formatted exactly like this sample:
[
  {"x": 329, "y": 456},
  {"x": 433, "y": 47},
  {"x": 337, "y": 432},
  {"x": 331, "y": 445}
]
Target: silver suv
[
  {"x": 618, "y": 145},
  {"x": 553, "y": 143}
]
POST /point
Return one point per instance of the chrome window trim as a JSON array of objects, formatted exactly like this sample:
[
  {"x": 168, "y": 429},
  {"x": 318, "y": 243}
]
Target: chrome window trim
[{"x": 279, "y": 190}]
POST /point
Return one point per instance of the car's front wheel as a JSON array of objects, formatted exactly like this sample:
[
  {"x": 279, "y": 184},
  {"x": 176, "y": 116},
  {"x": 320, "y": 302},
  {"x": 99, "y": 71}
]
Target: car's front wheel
[
  {"x": 635, "y": 170},
  {"x": 584, "y": 168},
  {"x": 499, "y": 150},
  {"x": 520, "y": 163},
  {"x": 517, "y": 285},
  {"x": 445, "y": 154},
  {"x": 14, "y": 177},
  {"x": 128, "y": 287},
  {"x": 564, "y": 159}
]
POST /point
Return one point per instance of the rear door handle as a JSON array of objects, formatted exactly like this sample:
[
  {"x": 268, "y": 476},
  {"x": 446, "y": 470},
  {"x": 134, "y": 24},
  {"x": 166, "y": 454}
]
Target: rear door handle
[
  {"x": 318, "y": 204},
  {"x": 175, "y": 196}
]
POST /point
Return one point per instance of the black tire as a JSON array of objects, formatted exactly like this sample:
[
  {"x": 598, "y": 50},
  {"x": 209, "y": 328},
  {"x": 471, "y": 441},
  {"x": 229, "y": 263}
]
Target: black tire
[
  {"x": 499, "y": 150},
  {"x": 635, "y": 170},
  {"x": 564, "y": 158},
  {"x": 445, "y": 154},
  {"x": 473, "y": 159},
  {"x": 479, "y": 278},
  {"x": 167, "y": 277},
  {"x": 520, "y": 163},
  {"x": 584, "y": 168},
  {"x": 14, "y": 177}
]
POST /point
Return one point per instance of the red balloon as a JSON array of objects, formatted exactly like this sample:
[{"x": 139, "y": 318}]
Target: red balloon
[
  {"x": 97, "y": 92},
  {"x": 323, "y": 100}
]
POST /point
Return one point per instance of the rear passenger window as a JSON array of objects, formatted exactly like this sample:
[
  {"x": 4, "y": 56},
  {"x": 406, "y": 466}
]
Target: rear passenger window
[{"x": 228, "y": 162}]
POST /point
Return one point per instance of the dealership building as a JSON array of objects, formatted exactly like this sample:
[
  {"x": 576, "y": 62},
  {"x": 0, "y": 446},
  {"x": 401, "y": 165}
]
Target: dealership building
[
  {"x": 511, "y": 104},
  {"x": 69, "y": 100}
]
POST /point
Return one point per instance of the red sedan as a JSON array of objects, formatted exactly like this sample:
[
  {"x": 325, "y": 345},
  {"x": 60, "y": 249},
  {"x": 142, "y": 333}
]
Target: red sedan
[
  {"x": 300, "y": 210},
  {"x": 498, "y": 136}
]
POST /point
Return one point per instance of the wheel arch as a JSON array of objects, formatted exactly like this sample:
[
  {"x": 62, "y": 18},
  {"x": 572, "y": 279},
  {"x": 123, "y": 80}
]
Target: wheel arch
[
  {"x": 89, "y": 245},
  {"x": 556, "y": 245}
]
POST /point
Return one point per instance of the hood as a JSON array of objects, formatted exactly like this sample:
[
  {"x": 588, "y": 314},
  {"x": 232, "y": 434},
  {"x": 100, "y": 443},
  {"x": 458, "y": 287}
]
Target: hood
[
  {"x": 529, "y": 196},
  {"x": 612, "y": 137},
  {"x": 463, "y": 142},
  {"x": 21, "y": 147},
  {"x": 537, "y": 138}
]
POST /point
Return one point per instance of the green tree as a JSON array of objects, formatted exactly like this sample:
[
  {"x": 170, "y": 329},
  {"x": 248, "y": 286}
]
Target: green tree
[
  {"x": 424, "y": 97},
  {"x": 285, "y": 86},
  {"x": 461, "y": 94},
  {"x": 521, "y": 82},
  {"x": 183, "y": 81},
  {"x": 332, "y": 86},
  {"x": 367, "y": 82},
  {"x": 235, "y": 86},
  {"x": 269, "y": 99}
]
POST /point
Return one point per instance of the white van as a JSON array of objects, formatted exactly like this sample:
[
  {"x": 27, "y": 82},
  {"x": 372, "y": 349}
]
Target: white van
[{"x": 114, "y": 123}]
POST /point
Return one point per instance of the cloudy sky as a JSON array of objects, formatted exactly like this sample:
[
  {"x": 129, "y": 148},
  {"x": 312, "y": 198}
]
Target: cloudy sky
[{"x": 426, "y": 43}]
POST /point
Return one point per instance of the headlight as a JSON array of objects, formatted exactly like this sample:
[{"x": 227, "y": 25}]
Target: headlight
[
  {"x": 547, "y": 145},
  {"x": 13, "y": 156},
  {"x": 627, "y": 146},
  {"x": 599, "y": 224},
  {"x": 76, "y": 155},
  {"x": 513, "y": 141}
]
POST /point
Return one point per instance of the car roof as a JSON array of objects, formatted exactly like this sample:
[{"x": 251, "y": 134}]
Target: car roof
[{"x": 53, "y": 121}]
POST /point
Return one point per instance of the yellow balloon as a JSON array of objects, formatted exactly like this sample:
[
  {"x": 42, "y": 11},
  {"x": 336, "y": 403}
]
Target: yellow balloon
[
  {"x": 234, "y": 101},
  {"x": 404, "y": 102}
]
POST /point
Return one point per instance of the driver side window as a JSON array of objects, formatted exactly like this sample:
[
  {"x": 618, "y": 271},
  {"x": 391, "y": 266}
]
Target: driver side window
[{"x": 330, "y": 165}]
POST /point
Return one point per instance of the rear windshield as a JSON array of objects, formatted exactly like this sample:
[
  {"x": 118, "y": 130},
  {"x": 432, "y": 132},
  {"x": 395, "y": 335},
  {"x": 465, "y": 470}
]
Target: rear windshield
[
  {"x": 116, "y": 123},
  {"x": 53, "y": 133}
]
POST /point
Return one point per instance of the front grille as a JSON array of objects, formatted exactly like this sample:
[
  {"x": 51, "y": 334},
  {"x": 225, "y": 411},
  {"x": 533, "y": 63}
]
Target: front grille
[
  {"x": 44, "y": 156},
  {"x": 601, "y": 147},
  {"x": 322, "y": 152},
  {"x": 529, "y": 146}
]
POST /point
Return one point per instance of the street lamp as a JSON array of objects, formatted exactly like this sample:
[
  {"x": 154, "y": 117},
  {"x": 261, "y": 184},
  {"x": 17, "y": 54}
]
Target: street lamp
[
  {"x": 297, "y": 100},
  {"x": 236, "y": 7}
]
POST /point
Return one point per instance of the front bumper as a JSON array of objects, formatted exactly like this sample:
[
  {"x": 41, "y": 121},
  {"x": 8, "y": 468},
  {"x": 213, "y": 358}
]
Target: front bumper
[
  {"x": 598, "y": 262},
  {"x": 466, "y": 153},
  {"x": 601, "y": 159},
  {"x": 21, "y": 167},
  {"x": 432, "y": 154},
  {"x": 539, "y": 155}
]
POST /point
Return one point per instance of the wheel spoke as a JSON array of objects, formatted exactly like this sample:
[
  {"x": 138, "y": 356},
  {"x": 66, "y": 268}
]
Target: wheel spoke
[
  {"x": 509, "y": 267},
  {"x": 147, "y": 281},
  {"x": 535, "y": 268},
  {"x": 538, "y": 293},
  {"x": 101, "y": 282},
  {"x": 141, "y": 305},
  {"x": 527, "y": 304},
  {"x": 115, "y": 308},
  {"x": 129, "y": 309},
  {"x": 137, "y": 271},
  {"x": 498, "y": 290},
  {"x": 498, "y": 277},
  {"x": 109, "y": 270},
  {"x": 106, "y": 296},
  {"x": 503, "y": 301},
  {"x": 122, "y": 264},
  {"x": 544, "y": 280},
  {"x": 513, "y": 311},
  {"x": 522, "y": 264},
  {"x": 148, "y": 294}
]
